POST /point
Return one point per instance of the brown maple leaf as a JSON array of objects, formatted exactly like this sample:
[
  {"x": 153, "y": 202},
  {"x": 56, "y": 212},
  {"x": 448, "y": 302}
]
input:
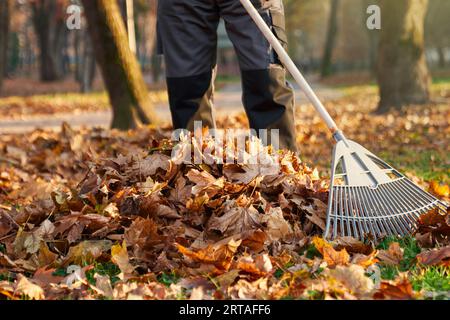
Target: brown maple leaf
[{"x": 235, "y": 220}]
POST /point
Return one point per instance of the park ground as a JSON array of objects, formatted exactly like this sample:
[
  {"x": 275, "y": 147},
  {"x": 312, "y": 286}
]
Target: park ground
[{"x": 108, "y": 204}]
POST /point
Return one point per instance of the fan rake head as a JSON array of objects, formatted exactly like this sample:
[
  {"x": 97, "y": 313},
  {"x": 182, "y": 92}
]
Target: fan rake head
[{"x": 369, "y": 197}]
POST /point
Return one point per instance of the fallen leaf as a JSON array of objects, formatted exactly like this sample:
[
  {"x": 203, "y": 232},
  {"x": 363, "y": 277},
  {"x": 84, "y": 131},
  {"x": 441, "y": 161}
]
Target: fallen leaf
[
  {"x": 277, "y": 227},
  {"x": 401, "y": 290},
  {"x": 119, "y": 255},
  {"x": 28, "y": 288},
  {"x": 365, "y": 261},
  {"x": 220, "y": 255},
  {"x": 441, "y": 190},
  {"x": 435, "y": 256},
  {"x": 354, "y": 278},
  {"x": 392, "y": 256},
  {"x": 45, "y": 277},
  {"x": 103, "y": 285},
  {"x": 235, "y": 220},
  {"x": 332, "y": 257},
  {"x": 86, "y": 252}
]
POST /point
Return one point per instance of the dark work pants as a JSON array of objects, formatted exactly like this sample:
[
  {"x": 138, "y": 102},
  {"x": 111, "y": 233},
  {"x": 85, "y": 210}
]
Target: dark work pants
[{"x": 187, "y": 36}]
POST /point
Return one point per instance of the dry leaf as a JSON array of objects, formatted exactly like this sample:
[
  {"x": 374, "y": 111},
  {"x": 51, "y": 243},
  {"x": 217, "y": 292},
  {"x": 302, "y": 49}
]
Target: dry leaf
[
  {"x": 235, "y": 220},
  {"x": 277, "y": 227},
  {"x": 86, "y": 252},
  {"x": 332, "y": 257},
  {"x": 392, "y": 256},
  {"x": 220, "y": 255},
  {"x": 119, "y": 255},
  {"x": 354, "y": 278},
  {"x": 435, "y": 256},
  {"x": 26, "y": 287}
]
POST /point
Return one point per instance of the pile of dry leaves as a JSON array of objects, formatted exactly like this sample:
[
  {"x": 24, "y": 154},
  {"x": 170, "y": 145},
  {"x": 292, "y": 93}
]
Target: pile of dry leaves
[{"x": 100, "y": 214}]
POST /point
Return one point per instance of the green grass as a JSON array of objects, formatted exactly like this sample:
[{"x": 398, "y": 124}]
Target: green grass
[
  {"x": 419, "y": 164},
  {"x": 441, "y": 80},
  {"x": 434, "y": 280},
  {"x": 104, "y": 269},
  {"x": 168, "y": 278},
  {"x": 410, "y": 250}
]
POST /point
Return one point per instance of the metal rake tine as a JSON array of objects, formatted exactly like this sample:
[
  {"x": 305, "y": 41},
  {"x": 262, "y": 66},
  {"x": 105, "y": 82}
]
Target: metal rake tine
[
  {"x": 399, "y": 205},
  {"x": 409, "y": 224},
  {"x": 425, "y": 205},
  {"x": 417, "y": 194},
  {"x": 399, "y": 228},
  {"x": 370, "y": 224},
  {"x": 346, "y": 222},
  {"x": 375, "y": 220},
  {"x": 363, "y": 209},
  {"x": 342, "y": 211},
  {"x": 336, "y": 201},
  {"x": 391, "y": 230},
  {"x": 420, "y": 191},
  {"x": 379, "y": 218},
  {"x": 415, "y": 203},
  {"x": 407, "y": 205},
  {"x": 352, "y": 212},
  {"x": 364, "y": 216}
]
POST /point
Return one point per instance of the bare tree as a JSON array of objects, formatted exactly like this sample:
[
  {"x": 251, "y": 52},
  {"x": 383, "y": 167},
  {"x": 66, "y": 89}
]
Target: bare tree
[
  {"x": 402, "y": 71},
  {"x": 120, "y": 70}
]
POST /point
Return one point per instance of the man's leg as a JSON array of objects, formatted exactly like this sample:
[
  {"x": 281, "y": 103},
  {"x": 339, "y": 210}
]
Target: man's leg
[
  {"x": 268, "y": 98},
  {"x": 187, "y": 32}
]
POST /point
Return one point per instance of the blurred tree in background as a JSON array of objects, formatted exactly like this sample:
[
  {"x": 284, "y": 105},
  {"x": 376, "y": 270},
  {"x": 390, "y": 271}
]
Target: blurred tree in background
[
  {"x": 121, "y": 72},
  {"x": 402, "y": 73},
  {"x": 51, "y": 31},
  {"x": 331, "y": 39},
  {"x": 437, "y": 30},
  {"x": 5, "y": 7}
]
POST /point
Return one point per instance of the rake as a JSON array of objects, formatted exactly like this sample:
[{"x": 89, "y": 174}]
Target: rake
[{"x": 368, "y": 197}]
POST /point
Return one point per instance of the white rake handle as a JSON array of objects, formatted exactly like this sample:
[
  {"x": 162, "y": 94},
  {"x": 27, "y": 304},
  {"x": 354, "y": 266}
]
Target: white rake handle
[{"x": 290, "y": 65}]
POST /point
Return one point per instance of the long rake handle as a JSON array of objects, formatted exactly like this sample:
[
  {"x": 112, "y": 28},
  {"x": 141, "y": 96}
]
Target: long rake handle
[{"x": 290, "y": 66}]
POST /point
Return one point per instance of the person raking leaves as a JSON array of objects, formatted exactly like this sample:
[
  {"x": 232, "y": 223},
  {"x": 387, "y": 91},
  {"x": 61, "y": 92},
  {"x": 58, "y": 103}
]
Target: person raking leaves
[{"x": 187, "y": 37}]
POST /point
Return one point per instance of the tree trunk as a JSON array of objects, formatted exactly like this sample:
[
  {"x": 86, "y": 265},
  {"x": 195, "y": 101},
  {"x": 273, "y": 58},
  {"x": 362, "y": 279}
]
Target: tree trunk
[
  {"x": 131, "y": 28},
  {"x": 50, "y": 30},
  {"x": 402, "y": 72},
  {"x": 327, "y": 62},
  {"x": 5, "y": 7},
  {"x": 77, "y": 42},
  {"x": 120, "y": 70},
  {"x": 441, "y": 54},
  {"x": 88, "y": 68}
]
